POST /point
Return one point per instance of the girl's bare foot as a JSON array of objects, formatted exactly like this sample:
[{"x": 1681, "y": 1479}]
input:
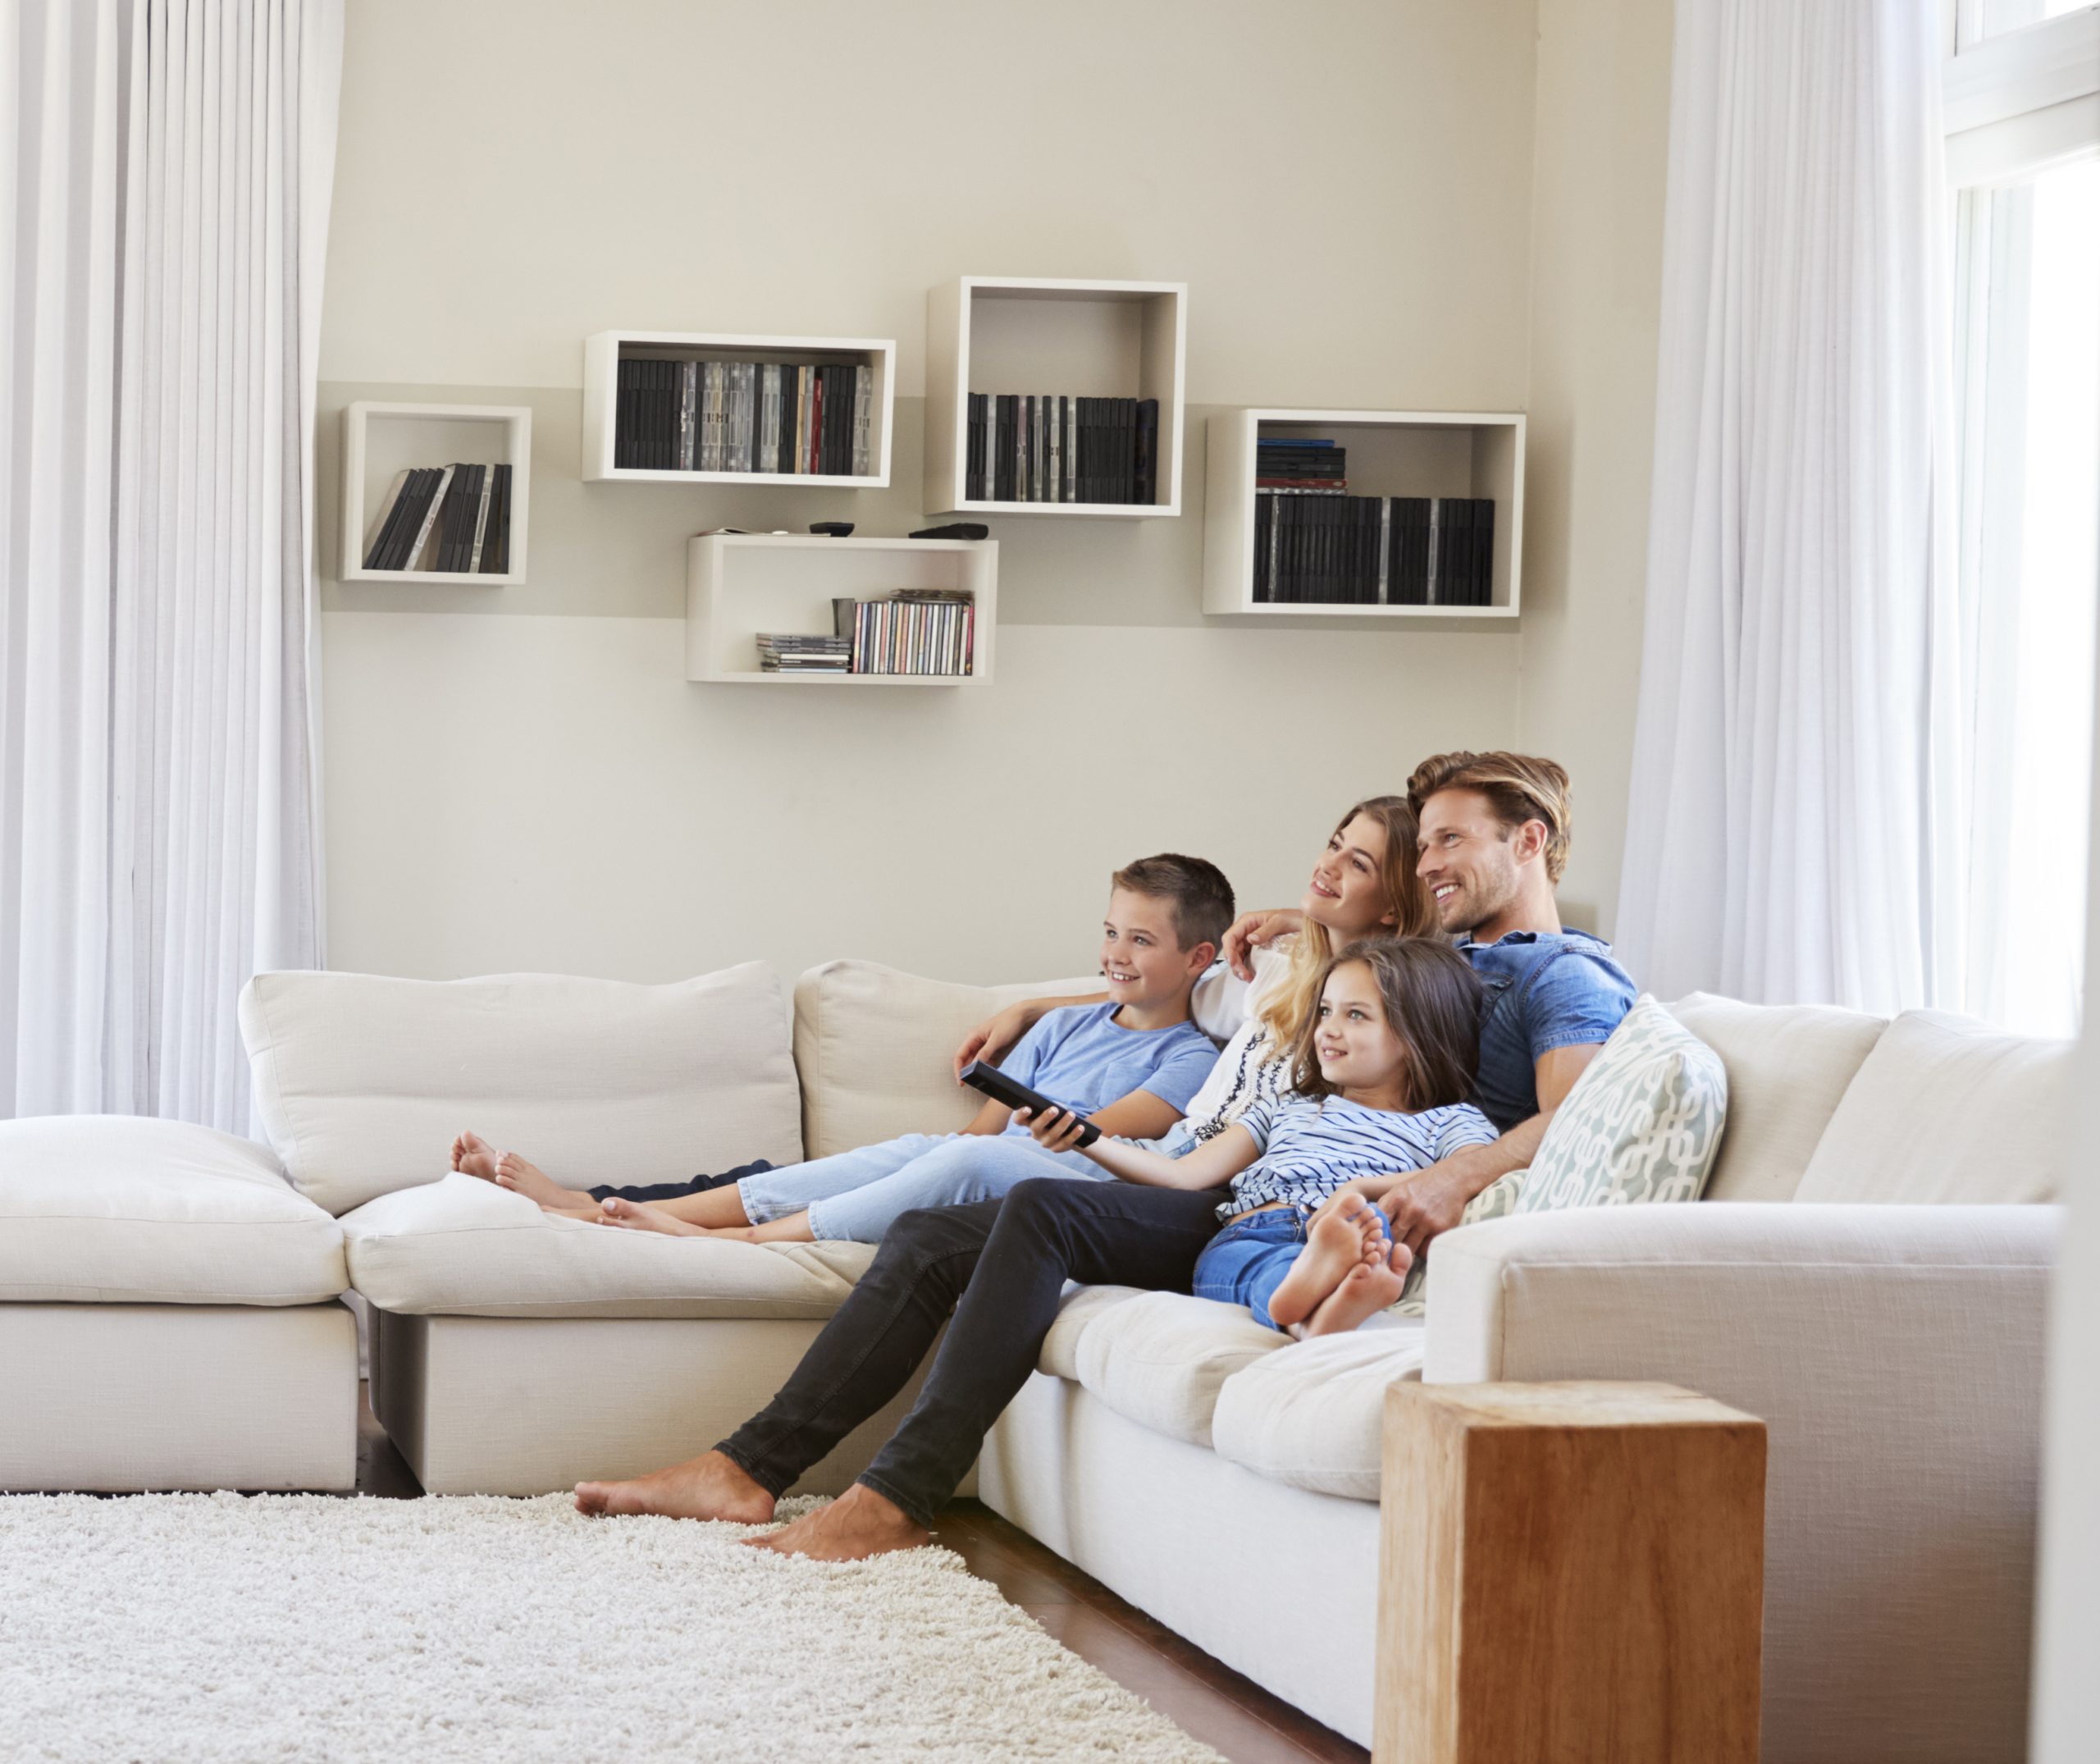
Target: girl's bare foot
[
  {"x": 858, "y": 1524},
  {"x": 1341, "y": 1237},
  {"x": 514, "y": 1173},
  {"x": 474, "y": 1155},
  {"x": 635, "y": 1216},
  {"x": 708, "y": 1486},
  {"x": 1365, "y": 1290}
]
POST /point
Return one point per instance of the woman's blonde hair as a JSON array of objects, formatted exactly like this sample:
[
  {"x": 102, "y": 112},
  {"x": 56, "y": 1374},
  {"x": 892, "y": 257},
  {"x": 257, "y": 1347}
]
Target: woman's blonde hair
[{"x": 1295, "y": 999}]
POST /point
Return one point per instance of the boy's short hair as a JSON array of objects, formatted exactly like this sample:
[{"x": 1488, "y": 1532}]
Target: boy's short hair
[
  {"x": 1520, "y": 786},
  {"x": 1202, "y": 896}
]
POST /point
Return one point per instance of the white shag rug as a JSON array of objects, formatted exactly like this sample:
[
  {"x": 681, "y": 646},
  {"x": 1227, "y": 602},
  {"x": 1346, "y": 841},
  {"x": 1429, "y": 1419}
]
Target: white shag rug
[{"x": 219, "y": 1629}]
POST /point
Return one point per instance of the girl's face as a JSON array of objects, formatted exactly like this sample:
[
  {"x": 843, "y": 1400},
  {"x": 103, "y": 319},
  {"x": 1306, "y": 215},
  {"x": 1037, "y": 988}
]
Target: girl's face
[
  {"x": 1347, "y": 893},
  {"x": 1355, "y": 1045}
]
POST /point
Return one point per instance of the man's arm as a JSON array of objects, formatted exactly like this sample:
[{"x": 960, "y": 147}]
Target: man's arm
[
  {"x": 994, "y": 1037},
  {"x": 1426, "y": 1202}
]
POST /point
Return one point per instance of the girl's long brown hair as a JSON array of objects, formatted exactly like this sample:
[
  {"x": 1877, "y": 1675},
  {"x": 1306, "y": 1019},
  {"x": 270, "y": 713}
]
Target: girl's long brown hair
[
  {"x": 1295, "y": 1003},
  {"x": 1432, "y": 1000}
]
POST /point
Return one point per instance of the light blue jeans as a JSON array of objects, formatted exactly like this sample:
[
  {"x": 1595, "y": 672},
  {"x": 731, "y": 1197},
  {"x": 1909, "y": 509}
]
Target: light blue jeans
[
  {"x": 857, "y": 1195},
  {"x": 1247, "y": 1261}
]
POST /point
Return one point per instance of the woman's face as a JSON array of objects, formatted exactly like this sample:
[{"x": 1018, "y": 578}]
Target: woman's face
[{"x": 1347, "y": 893}]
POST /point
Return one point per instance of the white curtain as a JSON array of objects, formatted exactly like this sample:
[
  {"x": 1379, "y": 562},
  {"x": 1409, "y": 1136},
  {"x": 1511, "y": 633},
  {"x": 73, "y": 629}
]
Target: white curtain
[
  {"x": 1796, "y": 821},
  {"x": 164, "y": 171}
]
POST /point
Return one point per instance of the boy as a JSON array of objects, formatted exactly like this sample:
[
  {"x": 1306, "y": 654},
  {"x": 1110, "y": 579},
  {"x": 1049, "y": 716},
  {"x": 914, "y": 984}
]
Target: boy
[{"x": 1132, "y": 1063}]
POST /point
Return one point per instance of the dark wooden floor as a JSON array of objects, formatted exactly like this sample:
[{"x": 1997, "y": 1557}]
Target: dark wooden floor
[{"x": 1191, "y": 1689}]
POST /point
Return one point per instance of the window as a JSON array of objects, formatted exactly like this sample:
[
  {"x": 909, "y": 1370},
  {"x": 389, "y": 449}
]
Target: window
[{"x": 2022, "y": 106}]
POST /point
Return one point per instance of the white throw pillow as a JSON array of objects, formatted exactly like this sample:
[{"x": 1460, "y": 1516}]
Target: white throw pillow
[
  {"x": 362, "y": 1081},
  {"x": 1643, "y": 1122}
]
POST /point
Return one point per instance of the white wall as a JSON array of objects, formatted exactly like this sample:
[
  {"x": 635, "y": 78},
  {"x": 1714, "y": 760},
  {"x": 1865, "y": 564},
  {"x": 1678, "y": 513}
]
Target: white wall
[
  {"x": 1603, "y": 131},
  {"x": 521, "y": 778}
]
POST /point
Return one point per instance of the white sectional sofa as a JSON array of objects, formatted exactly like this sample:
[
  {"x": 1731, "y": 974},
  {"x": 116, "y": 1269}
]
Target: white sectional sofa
[
  {"x": 1215, "y": 1474},
  {"x": 170, "y": 1313}
]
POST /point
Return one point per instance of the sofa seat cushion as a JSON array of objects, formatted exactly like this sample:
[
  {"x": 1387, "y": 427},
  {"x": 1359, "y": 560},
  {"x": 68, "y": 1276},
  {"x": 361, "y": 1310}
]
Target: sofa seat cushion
[
  {"x": 117, "y": 1209},
  {"x": 1313, "y": 1414},
  {"x": 874, "y": 1048},
  {"x": 1075, "y": 1313},
  {"x": 1787, "y": 1066},
  {"x": 1160, "y": 1360},
  {"x": 363, "y": 1081},
  {"x": 1946, "y": 1110},
  {"x": 463, "y": 1247}
]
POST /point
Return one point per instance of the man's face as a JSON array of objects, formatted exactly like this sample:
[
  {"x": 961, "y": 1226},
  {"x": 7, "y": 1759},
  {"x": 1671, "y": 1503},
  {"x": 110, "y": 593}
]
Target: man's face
[{"x": 1467, "y": 862}]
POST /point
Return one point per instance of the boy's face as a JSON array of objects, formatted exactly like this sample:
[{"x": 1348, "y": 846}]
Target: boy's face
[
  {"x": 1141, "y": 954},
  {"x": 1355, "y": 1045}
]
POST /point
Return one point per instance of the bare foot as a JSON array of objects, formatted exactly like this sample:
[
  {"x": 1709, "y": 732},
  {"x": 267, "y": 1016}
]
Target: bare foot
[
  {"x": 635, "y": 1216},
  {"x": 708, "y": 1486},
  {"x": 1341, "y": 1237},
  {"x": 858, "y": 1524},
  {"x": 1365, "y": 1290},
  {"x": 474, "y": 1155},
  {"x": 514, "y": 1173}
]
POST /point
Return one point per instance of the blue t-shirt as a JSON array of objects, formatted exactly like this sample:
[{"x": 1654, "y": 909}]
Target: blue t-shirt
[
  {"x": 1544, "y": 991},
  {"x": 1079, "y": 1056},
  {"x": 1309, "y": 1148}
]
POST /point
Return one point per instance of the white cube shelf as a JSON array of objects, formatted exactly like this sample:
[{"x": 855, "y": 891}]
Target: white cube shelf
[
  {"x": 1028, "y": 335},
  {"x": 740, "y": 584},
  {"x": 602, "y": 354},
  {"x": 1391, "y": 453},
  {"x": 382, "y": 440}
]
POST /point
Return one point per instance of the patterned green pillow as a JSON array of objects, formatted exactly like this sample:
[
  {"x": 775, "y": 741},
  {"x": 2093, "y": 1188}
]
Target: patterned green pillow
[{"x": 1643, "y": 1123}]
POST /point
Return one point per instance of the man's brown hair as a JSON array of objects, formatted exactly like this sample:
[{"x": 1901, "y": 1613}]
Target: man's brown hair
[
  {"x": 1432, "y": 1000},
  {"x": 1519, "y": 786},
  {"x": 1202, "y": 896}
]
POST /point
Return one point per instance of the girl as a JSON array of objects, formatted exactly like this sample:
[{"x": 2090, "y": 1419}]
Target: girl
[{"x": 1378, "y": 1078}]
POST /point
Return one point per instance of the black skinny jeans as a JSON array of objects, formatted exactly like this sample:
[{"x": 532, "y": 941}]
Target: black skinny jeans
[
  {"x": 674, "y": 1190},
  {"x": 1000, "y": 1267}
]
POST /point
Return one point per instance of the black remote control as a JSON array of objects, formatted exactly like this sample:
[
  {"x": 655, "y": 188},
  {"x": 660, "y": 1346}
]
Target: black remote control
[
  {"x": 955, "y": 530},
  {"x": 832, "y": 529},
  {"x": 1014, "y": 1095}
]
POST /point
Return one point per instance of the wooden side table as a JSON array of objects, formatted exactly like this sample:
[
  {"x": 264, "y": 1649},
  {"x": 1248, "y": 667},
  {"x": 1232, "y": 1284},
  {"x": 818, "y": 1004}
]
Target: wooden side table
[{"x": 1569, "y": 1572}]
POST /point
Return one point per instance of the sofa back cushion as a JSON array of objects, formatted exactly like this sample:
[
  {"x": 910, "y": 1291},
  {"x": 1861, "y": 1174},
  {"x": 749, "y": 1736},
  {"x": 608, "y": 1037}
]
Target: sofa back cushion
[
  {"x": 1787, "y": 1066},
  {"x": 363, "y": 1081},
  {"x": 874, "y": 1049},
  {"x": 1947, "y": 1110}
]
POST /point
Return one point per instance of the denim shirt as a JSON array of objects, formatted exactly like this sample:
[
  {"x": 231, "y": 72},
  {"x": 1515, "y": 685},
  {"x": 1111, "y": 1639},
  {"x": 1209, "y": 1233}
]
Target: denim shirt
[{"x": 1544, "y": 991}]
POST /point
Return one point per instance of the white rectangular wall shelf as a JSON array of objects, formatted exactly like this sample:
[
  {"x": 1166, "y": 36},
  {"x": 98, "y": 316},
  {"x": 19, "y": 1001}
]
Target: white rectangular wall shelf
[
  {"x": 383, "y": 440},
  {"x": 1391, "y": 453},
  {"x": 1006, "y": 335},
  {"x": 740, "y": 584},
  {"x": 602, "y": 354}
]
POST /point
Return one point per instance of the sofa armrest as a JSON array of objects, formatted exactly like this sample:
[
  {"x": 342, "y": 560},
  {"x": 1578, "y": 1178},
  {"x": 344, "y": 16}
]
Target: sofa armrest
[{"x": 1896, "y": 1356}]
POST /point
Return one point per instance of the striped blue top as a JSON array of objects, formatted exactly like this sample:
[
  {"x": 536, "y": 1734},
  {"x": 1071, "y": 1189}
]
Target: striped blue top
[{"x": 1310, "y": 1148}]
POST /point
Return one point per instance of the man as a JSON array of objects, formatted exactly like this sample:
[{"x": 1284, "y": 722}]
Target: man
[{"x": 1494, "y": 837}]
